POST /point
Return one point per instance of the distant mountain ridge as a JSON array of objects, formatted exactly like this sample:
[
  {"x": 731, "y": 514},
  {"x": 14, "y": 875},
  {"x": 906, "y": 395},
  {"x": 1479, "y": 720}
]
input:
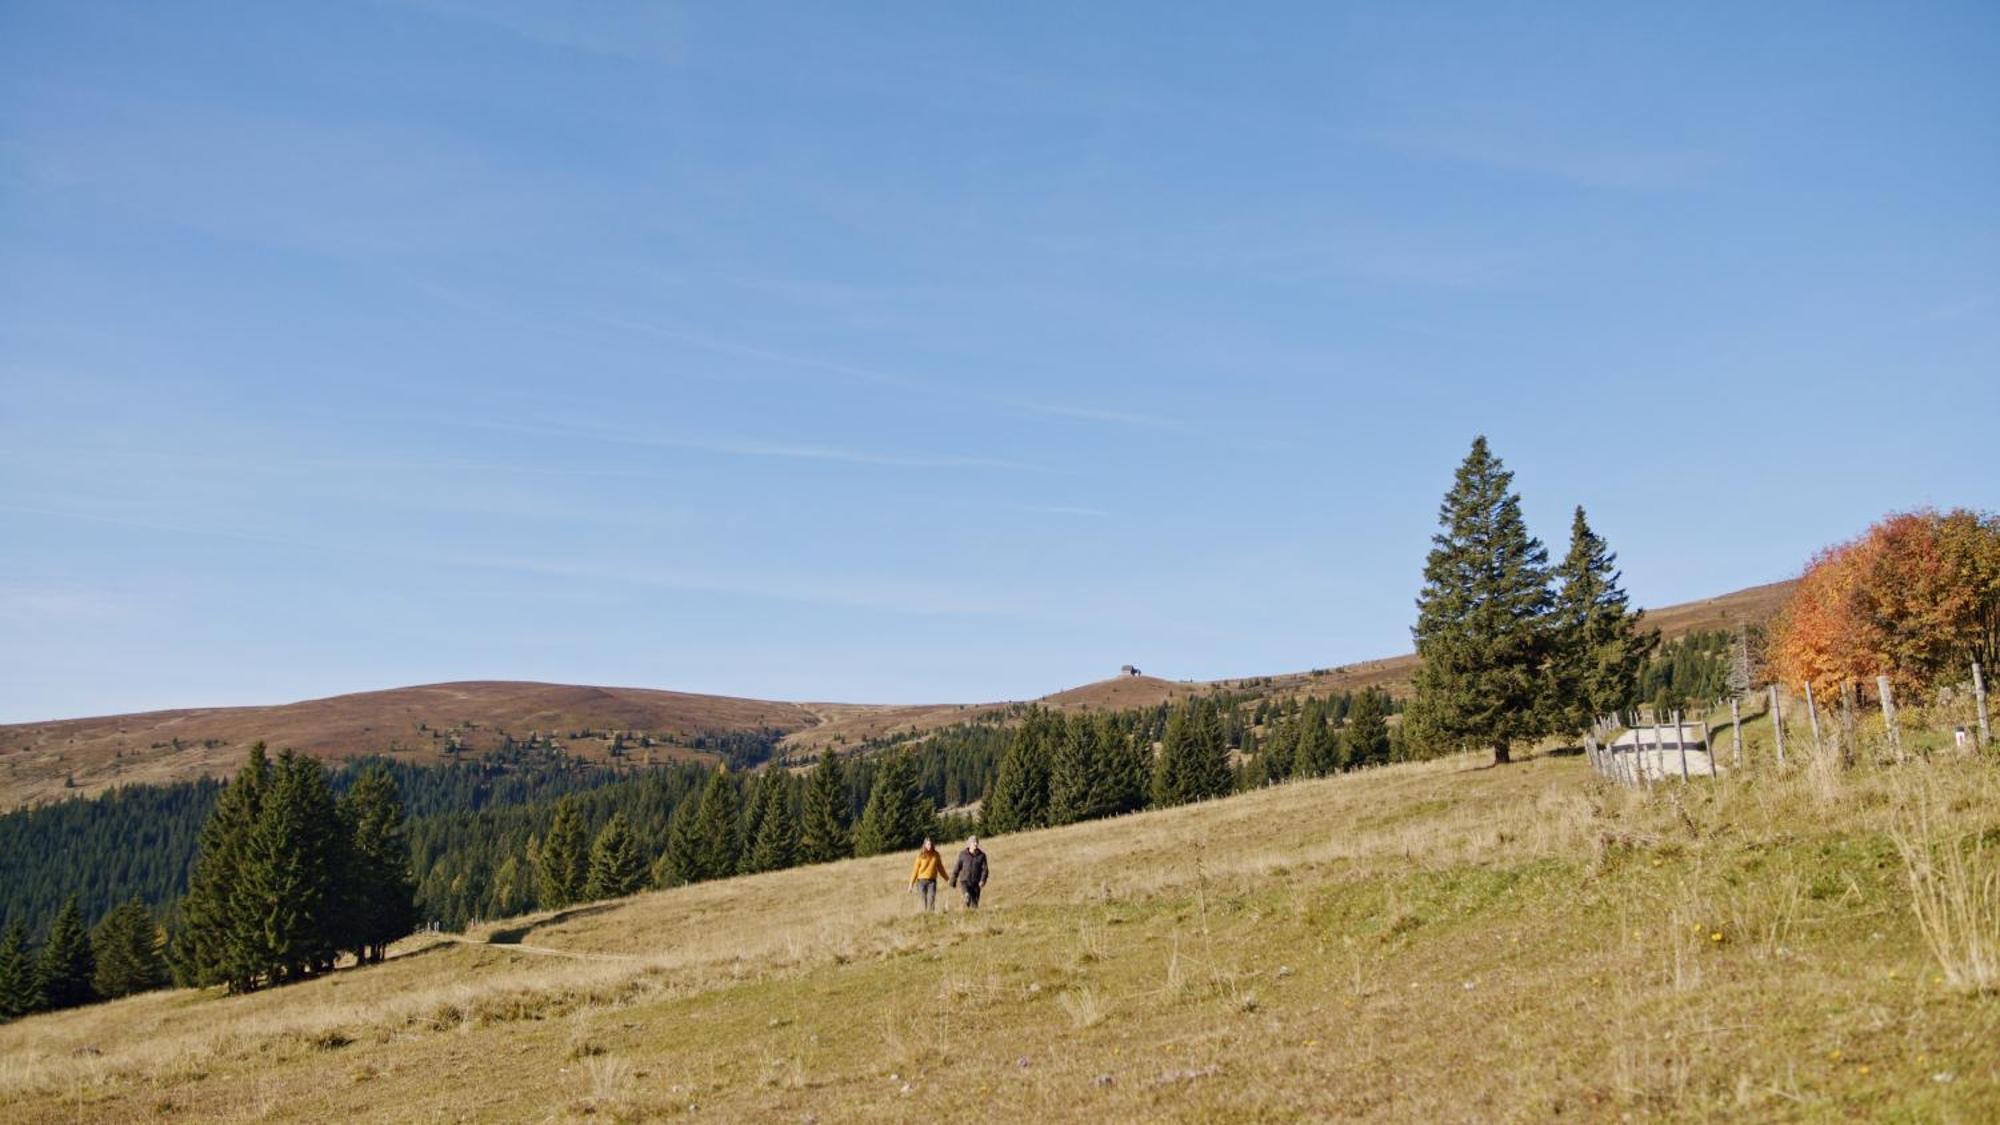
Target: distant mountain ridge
[{"x": 44, "y": 761}]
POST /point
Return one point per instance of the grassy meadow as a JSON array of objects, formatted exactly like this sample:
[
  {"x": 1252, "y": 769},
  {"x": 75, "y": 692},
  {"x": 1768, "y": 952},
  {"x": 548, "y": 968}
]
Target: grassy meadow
[{"x": 1428, "y": 941}]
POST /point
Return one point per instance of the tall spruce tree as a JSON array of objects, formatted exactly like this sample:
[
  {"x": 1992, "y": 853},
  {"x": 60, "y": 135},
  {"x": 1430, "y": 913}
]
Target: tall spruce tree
[
  {"x": 776, "y": 845},
  {"x": 291, "y": 889},
  {"x": 1020, "y": 795},
  {"x": 1317, "y": 752},
  {"x": 1367, "y": 734},
  {"x": 20, "y": 976},
  {"x": 212, "y": 928},
  {"x": 1278, "y": 754},
  {"x": 380, "y": 899},
  {"x": 1480, "y": 627},
  {"x": 679, "y": 865},
  {"x": 565, "y": 857},
  {"x": 1079, "y": 772},
  {"x": 126, "y": 944},
  {"x": 823, "y": 830},
  {"x": 616, "y": 870},
  {"x": 1128, "y": 759},
  {"x": 68, "y": 964},
  {"x": 1194, "y": 756},
  {"x": 716, "y": 836},
  {"x": 898, "y": 815},
  {"x": 1598, "y": 645}
]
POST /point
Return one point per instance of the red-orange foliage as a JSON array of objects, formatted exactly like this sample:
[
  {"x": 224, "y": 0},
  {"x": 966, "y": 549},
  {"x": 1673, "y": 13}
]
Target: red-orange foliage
[{"x": 1915, "y": 597}]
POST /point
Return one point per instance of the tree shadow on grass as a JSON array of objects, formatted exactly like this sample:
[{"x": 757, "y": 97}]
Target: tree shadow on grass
[{"x": 513, "y": 934}]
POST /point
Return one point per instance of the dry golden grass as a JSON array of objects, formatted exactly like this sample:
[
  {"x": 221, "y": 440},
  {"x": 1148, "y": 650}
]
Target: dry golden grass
[{"x": 1417, "y": 942}]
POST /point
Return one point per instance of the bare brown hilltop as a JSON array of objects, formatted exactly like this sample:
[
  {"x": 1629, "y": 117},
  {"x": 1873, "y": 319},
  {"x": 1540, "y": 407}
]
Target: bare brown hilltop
[{"x": 49, "y": 760}]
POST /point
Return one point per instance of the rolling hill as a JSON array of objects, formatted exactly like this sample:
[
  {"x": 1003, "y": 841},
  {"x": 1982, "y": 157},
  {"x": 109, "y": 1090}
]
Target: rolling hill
[
  {"x": 50, "y": 760},
  {"x": 1428, "y": 941}
]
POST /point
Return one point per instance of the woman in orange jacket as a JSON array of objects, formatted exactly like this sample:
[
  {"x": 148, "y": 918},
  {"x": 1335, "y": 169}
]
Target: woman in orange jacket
[{"x": 924, "y": 876}]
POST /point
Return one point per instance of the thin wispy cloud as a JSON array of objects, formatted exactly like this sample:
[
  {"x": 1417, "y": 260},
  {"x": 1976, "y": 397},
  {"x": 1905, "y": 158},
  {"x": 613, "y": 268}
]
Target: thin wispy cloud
[
  {"x": 877, "y": 378},
  {"x": 1062, "y": 510},
  {"x": 635, "y": 30},
  {"x": 1624, "y": 167},
  {"x": 878, "y": 593},
  {"x": 781, "y": 450}
]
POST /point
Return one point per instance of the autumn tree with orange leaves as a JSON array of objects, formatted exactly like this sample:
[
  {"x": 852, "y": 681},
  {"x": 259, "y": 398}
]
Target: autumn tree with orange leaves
[{"x": 1915, "y": 598}]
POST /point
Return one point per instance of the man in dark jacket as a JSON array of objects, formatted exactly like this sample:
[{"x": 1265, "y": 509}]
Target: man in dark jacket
[{"x": 969, "y": 873}]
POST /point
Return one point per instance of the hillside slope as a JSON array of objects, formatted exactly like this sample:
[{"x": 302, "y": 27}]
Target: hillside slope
[
  {"x": 1419, "y": 942},
  {"x": 415, "y": 723},
  {"x": 70, "y": 757}
]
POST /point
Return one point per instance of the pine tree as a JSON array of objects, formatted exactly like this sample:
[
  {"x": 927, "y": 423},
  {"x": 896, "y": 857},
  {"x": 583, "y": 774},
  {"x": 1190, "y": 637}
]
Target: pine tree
[
  {"x": 205, "y": 949},
  {"x": 717, "y": 830},
  {"x": 1128, "y": 757},
  {"x": 67, "y": 964},
  {"x": 898, "y": 814},
  {"x": 1317, "y": 752},
  {"x": 823, "y": 832},
  {"x": 615, "y": 867},
  {"x": 1597, "y": 646},
  {"x": 1020, "y": 795},
  {"x": 1168, "y": 768},
  {"x": 127, "y": 947},
  {"x": 380, "y": 897},
  {"x": 1367, "y": 735},
  {"x": 565, "y": 863},
  {"x": 291, "y": 888},
  {"x": 1079, "y": 781},
  {"x": 776, "y": 845},
  {"x": 1194, "y": 757},
  {"x": 1278, "y": 755},
  {"x": 1480, "y": 626},
  {"x": 20, "y": 975}
]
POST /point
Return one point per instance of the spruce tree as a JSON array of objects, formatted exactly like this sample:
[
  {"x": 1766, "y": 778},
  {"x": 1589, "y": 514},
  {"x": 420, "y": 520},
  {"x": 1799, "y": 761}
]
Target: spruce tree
[
  {"x": 565, "y": 862},
  {"x": 615, "y": 867},
  {"x": 20, "y": 975},
  {"x": 1480, "y": 628},
  {"x": 1128, "y": 756},
  {"x": 1079, "y": 781},
  {"x": 381, "y": 899},
  {"x": 127, "y": 947},
  {"x": 1317, "y": 751},
  {"x": 1019, "y": 798},
  {"x": 1169, "y": 768},
  {"x": 1194, "y": 756},
  {"x": 898, "y": 815},
  {"x": 680, "y": 865},
  {"x": 717, "y": 829},
  {"x": 1278, "y": 754},
  {"x": 67, "y": 963},
  {"x": 291, "y": 888},
  {"x": 823, "y": 831},
  {"x": 204, "y": 951},
  {"x": 776, "y": 845},
  {"x": 1367, "y": 735},
  {"x": 1598, "y": 646}
]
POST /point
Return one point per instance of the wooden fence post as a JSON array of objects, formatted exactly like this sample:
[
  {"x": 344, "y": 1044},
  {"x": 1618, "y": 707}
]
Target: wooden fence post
[
  {"x": 1736, "y": 729},
  {"x": 1889, "y": 715},
  {"x": 1979, "y": 695},
  {"x": 1812, "y": 710},
  {"x": 1681, "y": 744},
  {"x": 1849, "y": 704},
  {"x": 1778, "y": 725}
]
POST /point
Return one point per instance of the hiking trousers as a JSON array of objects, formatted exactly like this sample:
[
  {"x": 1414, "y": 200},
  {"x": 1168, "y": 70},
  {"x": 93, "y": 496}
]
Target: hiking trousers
[
  {"x": 927, "y": 889},
  {"x": 971, "y": 896}
]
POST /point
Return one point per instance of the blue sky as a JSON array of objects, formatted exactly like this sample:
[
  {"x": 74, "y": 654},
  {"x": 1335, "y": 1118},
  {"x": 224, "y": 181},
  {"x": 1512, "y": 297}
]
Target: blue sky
[{"x": 922, "y": 352}]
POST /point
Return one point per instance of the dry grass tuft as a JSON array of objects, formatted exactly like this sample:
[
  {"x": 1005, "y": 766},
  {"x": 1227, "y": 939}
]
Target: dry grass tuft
[
  {"x": 1084, "y": 1007},
  {"x": 1954, "y": 880}
]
